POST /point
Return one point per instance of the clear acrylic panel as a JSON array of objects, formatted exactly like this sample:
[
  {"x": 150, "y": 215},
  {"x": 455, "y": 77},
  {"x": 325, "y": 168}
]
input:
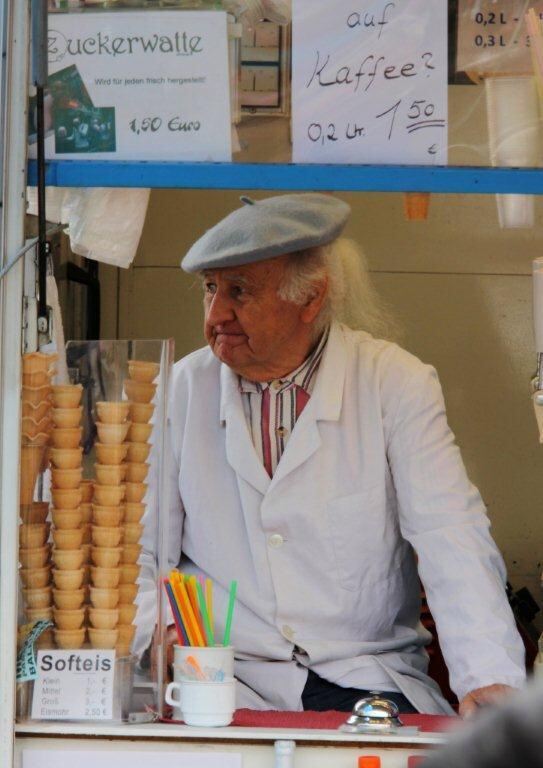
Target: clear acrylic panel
[{"x": 91, "y": 503}]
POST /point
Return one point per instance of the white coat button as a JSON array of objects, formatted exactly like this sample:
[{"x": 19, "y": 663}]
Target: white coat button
[
  {"x": 276, "y": 540},
  {"x": 287, "y": 632}
]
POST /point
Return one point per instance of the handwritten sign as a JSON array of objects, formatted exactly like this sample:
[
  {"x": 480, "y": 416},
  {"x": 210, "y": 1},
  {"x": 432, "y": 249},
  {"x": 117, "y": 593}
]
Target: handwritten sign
[
  {"x": 74, "y": 685},
  {"x": 370, "y": 81},
  {"x": 137, "y": 86},
  {"x": 492, "y": 36}
]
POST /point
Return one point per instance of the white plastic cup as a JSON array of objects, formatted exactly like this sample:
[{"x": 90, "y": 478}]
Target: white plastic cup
[
  {"x": 216, "y": 657},
  {"x": 203, "y": 703}
]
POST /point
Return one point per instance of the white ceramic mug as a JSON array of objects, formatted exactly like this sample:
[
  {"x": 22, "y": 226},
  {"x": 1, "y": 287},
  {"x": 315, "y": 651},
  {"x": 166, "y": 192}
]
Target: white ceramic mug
[
  {"x": 203, "y": 703},
  {"x": 216, "y": 657}
]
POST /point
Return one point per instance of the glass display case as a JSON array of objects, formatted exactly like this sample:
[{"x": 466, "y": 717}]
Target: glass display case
[{"x": 91, "y": 531}]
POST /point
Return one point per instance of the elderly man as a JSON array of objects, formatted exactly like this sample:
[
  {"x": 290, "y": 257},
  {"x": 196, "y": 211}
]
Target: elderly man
[{"x": 313, "y": 463}]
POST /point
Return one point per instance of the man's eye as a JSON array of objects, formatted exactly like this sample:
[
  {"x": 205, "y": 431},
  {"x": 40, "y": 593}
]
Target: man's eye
[
  {"x": 210, "y": 287},
  {"x": 238, "y": 291}
]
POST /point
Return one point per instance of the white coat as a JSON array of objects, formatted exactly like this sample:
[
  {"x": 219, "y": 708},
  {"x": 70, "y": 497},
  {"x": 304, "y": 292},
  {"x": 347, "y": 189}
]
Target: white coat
[{"x": 325, "y": 553}]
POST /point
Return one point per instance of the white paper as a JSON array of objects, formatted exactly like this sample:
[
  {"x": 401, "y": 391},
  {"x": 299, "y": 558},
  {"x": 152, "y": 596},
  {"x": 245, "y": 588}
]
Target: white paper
[
  {"x": 142, "y": 86},
  {"x": 74, "y": 685},
  {"x": 492, "y": 36},
  {"x": 128, "y": 758},
  {"x": 370, "y": 82}
]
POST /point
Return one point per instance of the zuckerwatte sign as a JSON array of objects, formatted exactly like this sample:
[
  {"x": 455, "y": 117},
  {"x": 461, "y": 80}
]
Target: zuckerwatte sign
[{"x": 137, "y": 86}]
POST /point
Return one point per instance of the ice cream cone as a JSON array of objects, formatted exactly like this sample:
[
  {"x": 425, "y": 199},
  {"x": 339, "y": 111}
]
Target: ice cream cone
[
  {"x": 104, "y": 597},
  {"x": 141, "y": 370},
  {"x": 69, "y": 639},
  {"x": 31, "y": 461},
  {"x": 66, "y": 418},
  {"x": 139, "y": 433},
  {"x": 139, "y": 391},
  {"x": 36, "y": 411},
  {"x": 127, "y": 613},
  {"x": 40, "y": 597},
  {"x": 138, "y": 452},
  {"x": 68, "y": 579},
  {"x": 135, "y": 492},
  {"x": 68, "y": 599},
  {"x": 67, "y": 395},
  {"x": 103, "y": 638},
  {"x": 113, "y": 413},
  {"x": 104, "y": 618},
  {"x": 129, "y": 573},
  {"x": 130, "y": 553},
  {"x": 141, "y": 413}
]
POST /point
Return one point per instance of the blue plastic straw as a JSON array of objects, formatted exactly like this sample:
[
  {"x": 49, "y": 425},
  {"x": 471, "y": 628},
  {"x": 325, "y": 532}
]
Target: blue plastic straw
[{"x": 184, "y": 640}]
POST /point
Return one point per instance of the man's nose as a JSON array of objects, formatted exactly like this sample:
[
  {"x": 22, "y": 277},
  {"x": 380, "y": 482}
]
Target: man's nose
[{"x": 219, "y": 309}]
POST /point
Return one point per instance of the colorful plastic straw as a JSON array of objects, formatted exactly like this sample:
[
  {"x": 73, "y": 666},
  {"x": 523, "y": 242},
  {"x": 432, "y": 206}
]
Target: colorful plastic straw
[
  {"x": 181, "y": 634},
  {"x": 228, "y": 625},
  {"x": 191, "y": 601},
  {"x": 193, "y": 631},
  {"x": 209, "y": 603},
  {"x": 190, "y": 584},
  {"x": 203, "y": 610}
]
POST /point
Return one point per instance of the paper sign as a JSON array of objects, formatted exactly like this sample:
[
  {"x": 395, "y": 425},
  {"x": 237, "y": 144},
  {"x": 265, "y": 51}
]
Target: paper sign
[
  {"x": 137, "y": 86},
  {"x": 129, "y": 757},
  {"x": 492, "y": 36},
  {"x": 74, "y": 685},
  {"x": 370, "y": 82}
]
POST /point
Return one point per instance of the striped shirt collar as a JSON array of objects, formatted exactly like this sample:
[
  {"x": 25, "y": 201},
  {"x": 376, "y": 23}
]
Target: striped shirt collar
[{"x": 303, "y": 376}]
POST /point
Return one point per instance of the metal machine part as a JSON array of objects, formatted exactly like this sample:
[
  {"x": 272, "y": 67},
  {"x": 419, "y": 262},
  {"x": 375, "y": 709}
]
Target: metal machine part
[{"x": 374, "y": 714}]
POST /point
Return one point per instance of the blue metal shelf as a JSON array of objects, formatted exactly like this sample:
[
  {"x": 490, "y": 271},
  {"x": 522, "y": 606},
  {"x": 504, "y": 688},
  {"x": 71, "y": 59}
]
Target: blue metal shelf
[{"x": 347, "y": 178}]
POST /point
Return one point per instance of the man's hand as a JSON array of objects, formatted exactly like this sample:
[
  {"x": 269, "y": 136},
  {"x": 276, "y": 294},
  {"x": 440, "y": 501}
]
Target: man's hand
[
  {"x": 171, "y": 639},
  {"x": 480, "y": 697}
]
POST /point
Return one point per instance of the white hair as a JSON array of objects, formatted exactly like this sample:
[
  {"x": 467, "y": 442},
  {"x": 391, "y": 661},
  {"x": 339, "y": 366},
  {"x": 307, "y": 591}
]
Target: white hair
[{"x": 350, "y": 298}]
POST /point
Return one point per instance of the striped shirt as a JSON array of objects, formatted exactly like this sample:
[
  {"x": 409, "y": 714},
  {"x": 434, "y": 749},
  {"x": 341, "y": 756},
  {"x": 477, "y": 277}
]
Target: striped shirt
[{"x": 273, "y": 407}]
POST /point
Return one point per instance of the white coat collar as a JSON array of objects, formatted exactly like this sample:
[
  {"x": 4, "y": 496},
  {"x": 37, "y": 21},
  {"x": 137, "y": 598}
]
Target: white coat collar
[{"x": 324, "y": 405}]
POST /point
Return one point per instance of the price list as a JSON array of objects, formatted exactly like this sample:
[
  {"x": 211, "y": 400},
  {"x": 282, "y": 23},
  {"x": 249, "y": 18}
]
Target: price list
[
  {"x": 492, "y": 37},
  {"x": 74, "y": 685}
]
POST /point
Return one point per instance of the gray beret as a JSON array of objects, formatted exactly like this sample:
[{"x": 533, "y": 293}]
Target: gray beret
[{"x": 262, "y": 229}]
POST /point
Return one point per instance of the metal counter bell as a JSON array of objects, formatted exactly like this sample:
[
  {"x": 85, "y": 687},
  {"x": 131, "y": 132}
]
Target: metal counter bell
[{"x": 374, "y": 714}]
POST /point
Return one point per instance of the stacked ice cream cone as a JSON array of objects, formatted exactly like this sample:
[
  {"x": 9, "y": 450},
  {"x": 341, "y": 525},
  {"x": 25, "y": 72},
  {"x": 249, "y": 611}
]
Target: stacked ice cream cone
[
  {"x": 140, "y": 390},
  {"x": 34, "y": 547},
  {"x": 68, "y": 531},
  {"x": 107, "y": 516}
]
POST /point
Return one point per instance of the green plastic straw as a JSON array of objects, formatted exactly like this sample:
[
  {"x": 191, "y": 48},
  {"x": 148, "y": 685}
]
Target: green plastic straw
[
  {"x": 228, "y": 626},
  {"x": 205, "y": 615}
]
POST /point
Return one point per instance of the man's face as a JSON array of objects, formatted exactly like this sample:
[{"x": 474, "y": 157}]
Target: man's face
[{"x": 248, "y": 327}]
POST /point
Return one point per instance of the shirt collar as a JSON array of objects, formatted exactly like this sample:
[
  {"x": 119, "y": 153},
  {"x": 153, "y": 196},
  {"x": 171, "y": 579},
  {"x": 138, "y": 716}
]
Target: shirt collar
[{"x": 303, "y": 376}]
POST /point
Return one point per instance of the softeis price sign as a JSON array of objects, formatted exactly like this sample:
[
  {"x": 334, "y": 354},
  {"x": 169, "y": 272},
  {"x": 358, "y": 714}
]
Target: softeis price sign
[{"x": 74, "y": 685}]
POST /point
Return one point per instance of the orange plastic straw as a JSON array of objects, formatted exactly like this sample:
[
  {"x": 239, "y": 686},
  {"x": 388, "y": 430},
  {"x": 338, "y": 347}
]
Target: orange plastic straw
[
  {"x": 209, "y": 602},
  {"x": 193, "y": 596},
  {"x": 198, "y": 635},
  {"x": 193, "y": 630}
]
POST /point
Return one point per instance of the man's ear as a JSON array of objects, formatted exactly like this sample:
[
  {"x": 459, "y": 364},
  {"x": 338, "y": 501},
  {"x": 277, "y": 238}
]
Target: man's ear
[{"x": 313, "y": 305}]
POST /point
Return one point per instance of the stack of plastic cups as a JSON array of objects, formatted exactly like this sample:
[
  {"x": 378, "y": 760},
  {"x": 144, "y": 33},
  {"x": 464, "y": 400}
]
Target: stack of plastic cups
[
  {"x": 68, "y": 554},
  {"x": 140, "y": 390},
  {"x": 107, "y": 517},
  {"x": 34, "y": 553},
  {"x": 514, "y": 139}
]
